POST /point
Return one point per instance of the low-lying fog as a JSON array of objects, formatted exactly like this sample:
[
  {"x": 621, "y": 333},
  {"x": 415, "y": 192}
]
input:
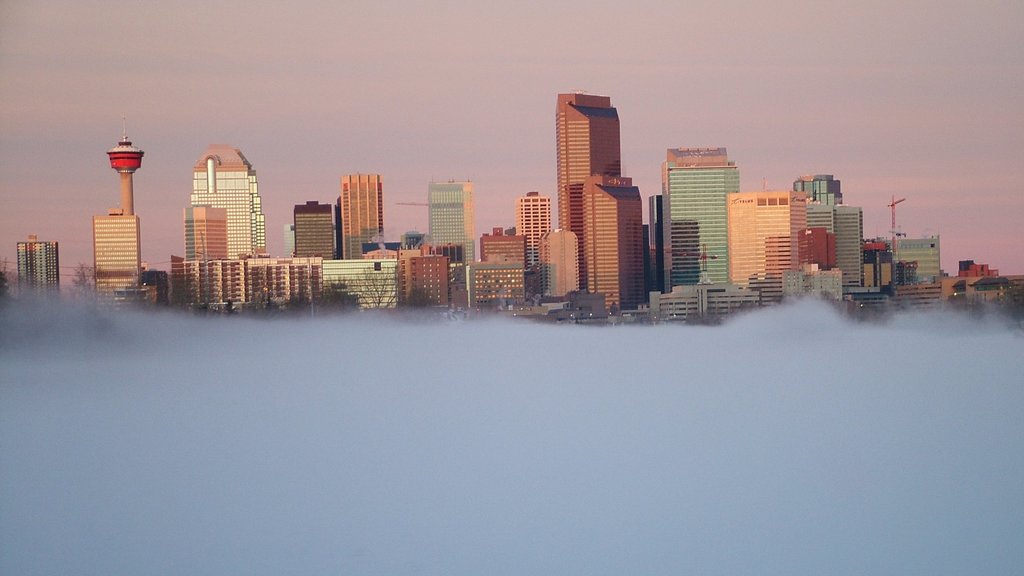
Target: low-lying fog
[{"x": 788, "y": 441}]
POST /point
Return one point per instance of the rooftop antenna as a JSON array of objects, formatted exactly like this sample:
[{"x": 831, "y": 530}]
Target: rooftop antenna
[{"x": 124, "y": 128}]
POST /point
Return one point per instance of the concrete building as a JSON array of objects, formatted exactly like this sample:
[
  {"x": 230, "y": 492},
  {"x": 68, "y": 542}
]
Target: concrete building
[
  {"x": 495, "y": 284},
  {"x": 924, "y": 251},
  {"x": 38, "y": 266},
  {"x": 452, "y": 216},
  {"x": 248, "y": 282},
  {"x": 224, "y": 178},
  {"x": 500, "y": 247},
  {"x": 766, "y": 231},
  {"x": 361, "y": 205},
  {"x": 314, "y": 230},
  {"x": 846, "y": 223},
  {"x": 813, "y": 281},
  {"x": 696, "y": 183},
  {"x": 613, "y": 246},
  {"x": 701, "y": 303},
  {"x": 533, "y": 220},
  {"x": 820, "y": 188},
  {"x": 587, "y": 144},
  {"x": 206, "y": 233},
  {"x": 559, "y": 256}
]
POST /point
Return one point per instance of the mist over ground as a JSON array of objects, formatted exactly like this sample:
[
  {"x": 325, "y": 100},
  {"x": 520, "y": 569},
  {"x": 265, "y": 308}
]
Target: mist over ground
[{"x": 788, "y": 441}]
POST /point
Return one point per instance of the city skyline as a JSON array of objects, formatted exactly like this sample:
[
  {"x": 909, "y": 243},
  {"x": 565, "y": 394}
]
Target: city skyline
[{"x": 929, "y": 124}]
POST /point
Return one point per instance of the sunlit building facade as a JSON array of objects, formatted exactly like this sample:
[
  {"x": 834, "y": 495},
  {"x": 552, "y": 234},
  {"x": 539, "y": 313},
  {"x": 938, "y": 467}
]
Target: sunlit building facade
[
  {"x": 559, "y": 257},
  {"x": 500, "y": 247},
  {"x": 587, "y": 143},
  {"x": 766, "y": 231},
  {"x": 924, "y": 251},
  {"x": 452, "y": 216},
  {"x": 224, "y": 178},
  {"x": 373, "y": 282},
  {"x": 696, "y": 183},
  {"x": 821, "y": 188},
  {"x": 495, "y": 284},
  {"x": 361, "y": 205},
  {"x": 533, "y": 220},
  {"x": 206, "y": 233},
  {"x": 117, "y": 262},
  {"x": 614, "y": 243},
  {"x": 314, "y": 230}
]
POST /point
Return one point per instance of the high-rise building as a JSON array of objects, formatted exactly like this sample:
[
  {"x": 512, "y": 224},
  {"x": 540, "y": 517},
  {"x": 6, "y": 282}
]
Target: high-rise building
[
  {"x": 613, "y": 242},
  {"x": 822, "y": 188},
  {"x": 656, "y": 245},
  {"x": 587, "y": 142},
  {"x": 695, "y": 186},
  {"x": 117, "y": 257},
  {"x": 206, "y": 233},
  {"x": 559, "y": 256},
  {"x": 361, "y": 205},
  {"x": 452, "y": 216},
  {"x": 38, "y": 265},
  {"x": 224, "y": 178},
  {"x": 846, "y": 223},
  {"x": 314, "y": 230},
  {"x": 924, "y": 251},
  {"x": 500, "y": 247},
  {"x": 533, "y": 220},
  {"x": 766, "y": 231}
]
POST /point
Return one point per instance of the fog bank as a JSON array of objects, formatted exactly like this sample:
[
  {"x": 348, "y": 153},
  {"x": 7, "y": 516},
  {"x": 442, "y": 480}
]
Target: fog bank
[{"x": 789, "y": 441}]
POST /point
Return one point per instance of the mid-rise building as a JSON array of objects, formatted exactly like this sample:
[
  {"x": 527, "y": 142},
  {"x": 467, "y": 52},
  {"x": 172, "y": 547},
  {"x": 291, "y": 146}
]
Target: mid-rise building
[
  {"x": 614, "y": 243},
  {"x": 495, "y": 284},
  {"x": 701, "y": 303},
  {"x": 696, "y": 183},
  {"x": 533, "y": 220},
  {"x": 373, "y": 282},
  {"x": 38, "y": 265},
  {"x": 452, "y": 219},
  {"x": 206, "y": 233},
  {"x": 361, "y": 205},
  {"x": 766, "y": 230},
  {"x": 587, "y": 144},
  {"x": 500, "y": 247},
  {"x": 925, "y": 252},
  {"x": 224, "y": 178},
  {"x": 314, "y": 230},
  {"x": 846, "y": 223},
  {"x": 423, "y": 278},
  {"x": 559, "y": 256},
  {"x": 821, "y": 188}
]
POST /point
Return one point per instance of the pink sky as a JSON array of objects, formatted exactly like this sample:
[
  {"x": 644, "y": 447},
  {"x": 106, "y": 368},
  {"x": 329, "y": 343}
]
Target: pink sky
[{"x": 915, "y": 99}]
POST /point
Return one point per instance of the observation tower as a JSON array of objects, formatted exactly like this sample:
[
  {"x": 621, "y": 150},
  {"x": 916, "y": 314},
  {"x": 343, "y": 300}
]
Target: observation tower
[{"x": 126, "y": 159}]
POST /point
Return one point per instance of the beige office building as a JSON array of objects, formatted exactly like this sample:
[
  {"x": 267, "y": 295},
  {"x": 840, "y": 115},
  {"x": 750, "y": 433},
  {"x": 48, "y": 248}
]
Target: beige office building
[
  {"x": 224, "y": 178},
  {"x": 117, "y": 262},
  {"x": 560, "y": 272},
  {"x": 361, "y": 205},
  {"x": 765, "y": 231}
]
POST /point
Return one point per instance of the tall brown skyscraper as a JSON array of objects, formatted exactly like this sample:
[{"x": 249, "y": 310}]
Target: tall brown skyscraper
[
  {"x": 613, "y": 248},
  {"x": 587, "y": 134},
  {"x": 362, "y": 212},
  {"x": 314, "y": 230}
]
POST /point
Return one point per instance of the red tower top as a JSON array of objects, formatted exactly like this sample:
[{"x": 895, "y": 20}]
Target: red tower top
[{"x": 124, "y": 157}]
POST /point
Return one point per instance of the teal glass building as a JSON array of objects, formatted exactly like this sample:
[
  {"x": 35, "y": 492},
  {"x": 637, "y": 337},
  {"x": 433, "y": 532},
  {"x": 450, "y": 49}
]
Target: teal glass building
[
  {"x": 452, "y": 216},
  {"x": 695, "y": 185}
]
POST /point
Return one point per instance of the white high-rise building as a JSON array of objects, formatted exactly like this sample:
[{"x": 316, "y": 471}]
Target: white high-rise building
[{"x": 223, "y": 178}]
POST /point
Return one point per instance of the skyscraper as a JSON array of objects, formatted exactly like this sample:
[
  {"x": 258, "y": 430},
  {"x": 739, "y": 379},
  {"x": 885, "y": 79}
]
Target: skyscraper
[
  {"x": 766, "y": 230},
  {"x": 314, "y": 230},
  {"x": 452, "y": 216},
  {"x": 223, "y": 178},
  {"x": 559, "y": 256},
  {"x": 695, "y": 185},
  {"x": 533, "y": 220},
  {"x": 847, "y": 224},
  {"x": 822, "y": 188},
  {"x": 38, "y": 265},
  {"x": 613, "y": 241},
  {"x": 117, "y": 258},
  {"x": 361, "y": 206},
  {"x": 206, "y": 233},
  {"x": 587, "y": 141}
]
